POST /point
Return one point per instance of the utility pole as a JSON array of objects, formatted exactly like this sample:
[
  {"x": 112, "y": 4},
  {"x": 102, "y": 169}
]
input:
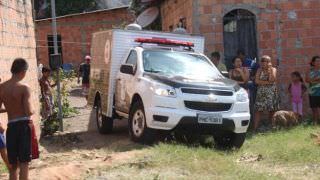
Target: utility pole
[{"x": 56, "y": 53}]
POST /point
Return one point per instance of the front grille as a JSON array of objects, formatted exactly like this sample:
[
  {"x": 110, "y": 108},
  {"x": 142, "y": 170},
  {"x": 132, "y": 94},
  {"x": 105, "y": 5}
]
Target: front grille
[
  {"x": 208, "y": 107},
  {"x": 206, "y": 92}
]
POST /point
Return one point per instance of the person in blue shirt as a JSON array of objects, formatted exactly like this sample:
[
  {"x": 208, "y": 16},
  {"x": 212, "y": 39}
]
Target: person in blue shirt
[{"x": 249, "y": 63}]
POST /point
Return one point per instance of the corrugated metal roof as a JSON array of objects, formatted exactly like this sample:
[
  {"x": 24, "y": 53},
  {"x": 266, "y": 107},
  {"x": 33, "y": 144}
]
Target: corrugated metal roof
[{"x": 84, "y": 13}]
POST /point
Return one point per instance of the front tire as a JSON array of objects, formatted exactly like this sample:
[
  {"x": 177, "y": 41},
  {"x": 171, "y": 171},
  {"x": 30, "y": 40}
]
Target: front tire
[
  {"x": 230, "y": 140},
  {"x": 104, "y": 123},
  {"x": 138, "y": 130}
]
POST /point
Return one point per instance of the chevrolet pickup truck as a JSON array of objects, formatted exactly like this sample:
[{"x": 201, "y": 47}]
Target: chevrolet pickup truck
[{"x": 163, "y": 82}]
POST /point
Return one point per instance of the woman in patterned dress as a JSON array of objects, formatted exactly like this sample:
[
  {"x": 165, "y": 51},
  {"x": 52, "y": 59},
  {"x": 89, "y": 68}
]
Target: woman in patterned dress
[
  {"x": 313, "y": 78},
  {"x": 267, "y": 93}
]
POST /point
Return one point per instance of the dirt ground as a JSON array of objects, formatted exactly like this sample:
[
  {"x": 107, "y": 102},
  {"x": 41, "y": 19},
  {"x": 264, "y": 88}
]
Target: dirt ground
[
  {"x": 80, "y": 152},
  {"x": 80, "y": 149}
]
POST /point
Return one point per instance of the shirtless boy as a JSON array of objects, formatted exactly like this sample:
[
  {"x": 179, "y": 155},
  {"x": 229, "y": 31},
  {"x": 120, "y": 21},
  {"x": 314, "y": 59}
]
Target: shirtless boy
[{"x": 16, "y": 98}]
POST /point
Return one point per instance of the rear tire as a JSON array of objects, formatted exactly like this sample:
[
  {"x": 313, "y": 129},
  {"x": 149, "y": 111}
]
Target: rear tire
[
  {"x": 104, "y": 123},
  {"x": 230, "y": 140},
  {"x": 138, "y": 130}
]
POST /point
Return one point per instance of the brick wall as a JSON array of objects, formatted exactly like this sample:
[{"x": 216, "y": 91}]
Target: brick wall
[
  {"x": 17, "y": 39},
  {"x": 172, "y": 11},
  {"x": 286, "y": 30},
  {"x": 76, "y": 32}
]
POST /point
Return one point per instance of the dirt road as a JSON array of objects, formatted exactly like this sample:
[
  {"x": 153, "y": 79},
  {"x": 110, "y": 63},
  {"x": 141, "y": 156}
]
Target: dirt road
[
  {"x": 80, "y": 150},
  {"x": 81, "y": 153}
]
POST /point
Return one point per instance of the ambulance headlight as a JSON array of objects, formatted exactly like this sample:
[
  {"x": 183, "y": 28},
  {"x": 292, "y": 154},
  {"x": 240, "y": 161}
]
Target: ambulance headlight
[{"x": 163, "y": 90}]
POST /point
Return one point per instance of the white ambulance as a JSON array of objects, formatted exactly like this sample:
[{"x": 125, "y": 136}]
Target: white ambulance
[{"x": 163, "y": 82}]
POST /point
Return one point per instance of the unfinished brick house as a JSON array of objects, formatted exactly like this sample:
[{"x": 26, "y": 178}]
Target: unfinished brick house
[
  {"x": 286, "y": 30},
  {"x": 17, "y": 39},
  {"x": 75, "y": 32}
]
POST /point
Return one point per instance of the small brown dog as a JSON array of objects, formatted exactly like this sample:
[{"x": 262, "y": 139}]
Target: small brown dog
[{"x": 286, "y": 119}]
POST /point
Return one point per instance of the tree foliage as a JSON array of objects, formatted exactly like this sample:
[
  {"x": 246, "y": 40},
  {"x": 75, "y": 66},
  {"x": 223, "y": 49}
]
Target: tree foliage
[
  {"x": 64, "y": 7},
  {"x": 75, "y": 6},
  {"x": 136, "y": 7}
]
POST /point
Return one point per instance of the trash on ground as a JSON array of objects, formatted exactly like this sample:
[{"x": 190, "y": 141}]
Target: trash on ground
[
  {"x": 250, "y": 158},
  {"x": 316, "y": 138}
]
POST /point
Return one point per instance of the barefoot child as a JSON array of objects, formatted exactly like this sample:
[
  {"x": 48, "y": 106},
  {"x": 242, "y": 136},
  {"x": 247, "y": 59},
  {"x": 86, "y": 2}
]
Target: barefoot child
[
  {"x": 16, "y": 98},
  {"x": 46, "y": 92},
  {"x": 297, "y": 89}
]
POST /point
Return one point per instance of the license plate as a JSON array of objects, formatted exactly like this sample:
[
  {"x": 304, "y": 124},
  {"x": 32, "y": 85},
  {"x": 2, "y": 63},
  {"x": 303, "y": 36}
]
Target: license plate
[{"x": 210, "y": 118}]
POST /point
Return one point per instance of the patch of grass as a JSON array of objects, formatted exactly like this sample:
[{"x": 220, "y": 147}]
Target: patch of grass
[
  {"x": 200, "y": 162},
  {"x": 286, "y": 146},
  {"x": 3, "y": 168},
  {"x": 286, "y": 154}
]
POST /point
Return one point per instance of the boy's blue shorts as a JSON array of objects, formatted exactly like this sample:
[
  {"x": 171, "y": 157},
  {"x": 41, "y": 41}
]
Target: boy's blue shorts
[{"x": 2, "y": 141}]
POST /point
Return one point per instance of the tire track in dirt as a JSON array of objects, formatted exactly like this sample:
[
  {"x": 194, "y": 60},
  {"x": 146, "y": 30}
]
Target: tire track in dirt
[
  {"x": 81, "y": 149},
  {"x": 76, "y": 169}
]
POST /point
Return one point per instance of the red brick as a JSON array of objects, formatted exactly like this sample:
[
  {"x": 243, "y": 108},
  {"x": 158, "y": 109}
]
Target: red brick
[
  {"x": 17, "y": 14},
  {"x": 206, "y": 28},
  {"x": 316, "y": 42},
  {"x": 262, "y": 26},
  {"x": 217, "y": 9},
  {"x": 218, "y": 38},
  {"x": 305, "y": 28},
  {"x": 291, "y": 5},
  {"x": 271, "y": 26},
  {"x": 268, "y": 16},
  {"x": 219, "y": 47},
  {"x": 263, "y": 45},
  {"x": 265, "y": 35},
  {"x": 71, "y": 28},
  {"x": 207, "y": 9}
]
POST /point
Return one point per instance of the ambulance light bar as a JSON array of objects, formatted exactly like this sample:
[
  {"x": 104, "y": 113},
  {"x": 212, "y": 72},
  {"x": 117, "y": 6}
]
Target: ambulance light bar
[{"x": 164, "y": 41}]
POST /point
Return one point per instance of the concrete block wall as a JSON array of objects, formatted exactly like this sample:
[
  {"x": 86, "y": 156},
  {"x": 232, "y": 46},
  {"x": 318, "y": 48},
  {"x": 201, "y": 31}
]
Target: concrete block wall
[
  {"x": 17, "y": 39},
  {"x": 286, "y": 30},
  {"x": 76, "y": 32}
]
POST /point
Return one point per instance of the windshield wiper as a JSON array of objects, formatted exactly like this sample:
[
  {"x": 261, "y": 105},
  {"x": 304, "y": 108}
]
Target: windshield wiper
[{"x": 152, "y": 71}]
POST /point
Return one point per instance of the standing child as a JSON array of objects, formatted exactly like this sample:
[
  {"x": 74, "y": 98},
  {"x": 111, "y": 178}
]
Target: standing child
[
  {"x": 3, "y": 148},
  {"x": 20, "y": 136},
  {"x": 297, "y": 89},
  {"x": 46, "y": 93}
]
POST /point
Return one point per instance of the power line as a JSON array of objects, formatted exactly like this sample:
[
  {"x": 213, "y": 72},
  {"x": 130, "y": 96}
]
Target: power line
[
  {"x": 53, "y": 46},
  {"x": 64, "y": 42}
]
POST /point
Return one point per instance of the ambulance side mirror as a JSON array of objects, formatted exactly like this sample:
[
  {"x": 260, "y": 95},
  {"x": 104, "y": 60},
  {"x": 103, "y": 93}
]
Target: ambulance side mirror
[
  {"x": 225, "y": 74},
  {"x": 127, "y": 69}
]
